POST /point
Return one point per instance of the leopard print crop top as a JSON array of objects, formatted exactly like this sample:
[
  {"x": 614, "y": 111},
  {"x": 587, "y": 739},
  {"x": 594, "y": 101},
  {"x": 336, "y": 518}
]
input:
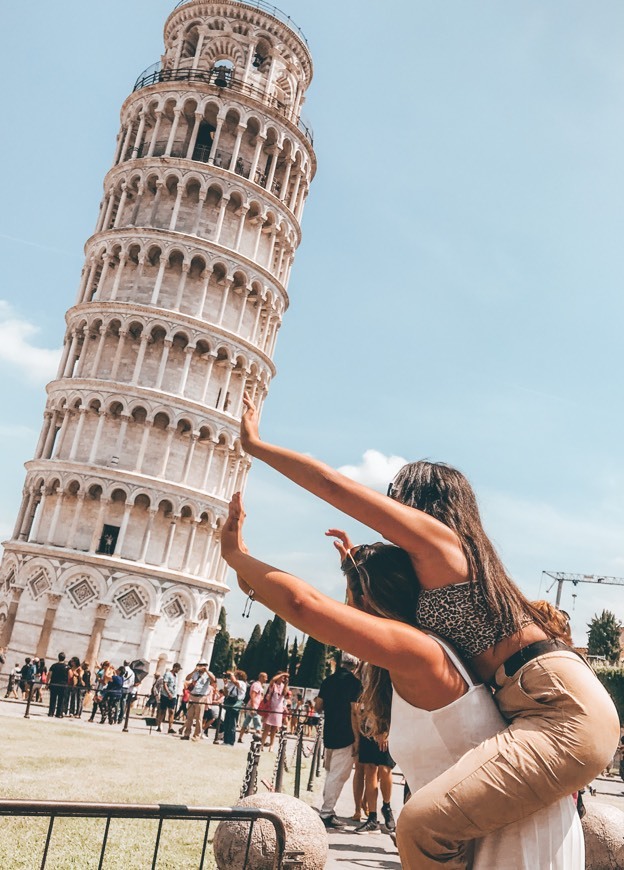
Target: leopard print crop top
[{"x": 459, "y": 614}]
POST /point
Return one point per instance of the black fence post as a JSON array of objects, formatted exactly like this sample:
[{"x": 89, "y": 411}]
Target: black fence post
[
  {"x": 250, "y": 780},
  {"x": 30, "y": 685},
  {"x": 299, "y": 759},
  {"x": 313, "y": 765},
  {"x": 319, "y": 729},
  {"x": 280, "y": 761},
  {"x": 127, "y": 711}
]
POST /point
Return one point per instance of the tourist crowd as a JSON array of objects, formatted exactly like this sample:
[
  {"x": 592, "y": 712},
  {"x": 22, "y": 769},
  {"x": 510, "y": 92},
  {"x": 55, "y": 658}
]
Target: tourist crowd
[
  {"x": 260, "y": 706},
  {"x": 185, "y": 705},
  {"x": 73, "y": 685}
]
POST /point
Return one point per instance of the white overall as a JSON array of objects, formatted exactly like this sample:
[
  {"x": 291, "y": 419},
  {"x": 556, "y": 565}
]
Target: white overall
[{"x": 426, "y": 743}]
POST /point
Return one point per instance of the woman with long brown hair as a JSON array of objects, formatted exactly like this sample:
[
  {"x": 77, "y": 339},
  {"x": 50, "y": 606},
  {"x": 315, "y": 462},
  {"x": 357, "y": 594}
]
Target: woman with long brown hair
[
  {"x": 414, "y": 684},
  {"x": 563, "y": 725}
]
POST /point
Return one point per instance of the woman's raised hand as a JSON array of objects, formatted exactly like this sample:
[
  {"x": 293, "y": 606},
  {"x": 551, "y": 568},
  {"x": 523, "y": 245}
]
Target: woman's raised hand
[
  {"x": 249, "y": 424},
  {"x": 232, "y": 531},
  {"x": 342, "y": 543}
]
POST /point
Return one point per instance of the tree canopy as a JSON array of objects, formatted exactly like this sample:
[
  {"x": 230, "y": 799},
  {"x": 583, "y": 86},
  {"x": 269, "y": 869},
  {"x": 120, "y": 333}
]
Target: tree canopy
[
  {"x": 311, "y": 671},
  {"x": 603, "y": 638},
  {"x": 221, "y": 659}
]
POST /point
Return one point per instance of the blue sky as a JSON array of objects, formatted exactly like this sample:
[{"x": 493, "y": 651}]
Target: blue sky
[{"x": 458, "y": 291}]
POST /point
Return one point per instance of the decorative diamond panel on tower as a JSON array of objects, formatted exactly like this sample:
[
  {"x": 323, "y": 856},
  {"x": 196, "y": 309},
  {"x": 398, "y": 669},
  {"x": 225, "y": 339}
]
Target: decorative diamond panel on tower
[
  {"x": 205, "y": 612},
  {"x": 174, "y": 609},
  {"x": 9, "y": 580},
  {"x": 81, "y": 592},
  {"x": 130, "y": 602},
  {"x": 38, "y": 583}
]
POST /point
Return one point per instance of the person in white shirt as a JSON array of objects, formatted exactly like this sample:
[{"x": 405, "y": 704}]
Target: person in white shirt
[
  {"x": 200, "y": 685},
  {"x": 129, "y": 679}
]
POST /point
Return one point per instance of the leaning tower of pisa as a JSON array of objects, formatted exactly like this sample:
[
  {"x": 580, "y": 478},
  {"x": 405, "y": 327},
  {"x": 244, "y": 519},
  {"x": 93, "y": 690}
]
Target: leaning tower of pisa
[{"x": 115, "y": 549}]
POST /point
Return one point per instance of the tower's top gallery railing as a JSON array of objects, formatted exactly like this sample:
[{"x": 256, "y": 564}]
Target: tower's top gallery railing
[
  {"x": 271, "y": 10},
  {"x": 220, "y": 78}
]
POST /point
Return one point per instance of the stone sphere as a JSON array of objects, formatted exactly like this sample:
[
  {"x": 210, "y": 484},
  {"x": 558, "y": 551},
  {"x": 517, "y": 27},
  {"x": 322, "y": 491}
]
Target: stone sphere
[
  {"x": 603, "y": 826},
  {"x": 304, "y": 831}
]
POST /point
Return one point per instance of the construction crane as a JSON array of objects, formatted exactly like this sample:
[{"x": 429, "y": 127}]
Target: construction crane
[{"x": 560, "y": 577}]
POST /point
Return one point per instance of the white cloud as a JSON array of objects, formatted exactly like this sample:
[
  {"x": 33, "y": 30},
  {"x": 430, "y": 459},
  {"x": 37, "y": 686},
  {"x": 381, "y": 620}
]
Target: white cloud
[
  {"x": 37, "y": 364},
  {"x": 375, "y": 470}
]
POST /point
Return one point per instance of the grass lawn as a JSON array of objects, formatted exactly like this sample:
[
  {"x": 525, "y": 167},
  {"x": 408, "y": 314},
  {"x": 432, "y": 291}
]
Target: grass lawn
[{"x": 71, "y": 760}]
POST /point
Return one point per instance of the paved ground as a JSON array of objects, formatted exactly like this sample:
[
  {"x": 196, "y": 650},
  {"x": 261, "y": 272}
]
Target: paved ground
[
  {"x": 609, "y": 790},
  {"x": 348, "y": 849},
  {"x": 377, "y": 851}
]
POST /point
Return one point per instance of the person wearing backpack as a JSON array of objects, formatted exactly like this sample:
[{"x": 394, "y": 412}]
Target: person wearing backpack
[
  {"x": 27, "y": 675},
  {"x": 58, "y": 686},
  {"x": 235, "y": 690},
  {"x": 253, "y": 699}
]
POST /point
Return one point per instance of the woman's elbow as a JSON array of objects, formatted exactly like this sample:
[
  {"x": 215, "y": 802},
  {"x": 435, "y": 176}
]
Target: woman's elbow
[{"x": 303, "y": 608}]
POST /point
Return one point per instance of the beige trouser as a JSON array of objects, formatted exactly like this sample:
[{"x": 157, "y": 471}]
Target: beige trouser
[
  {"x": 564, "y": 728},
  {"x": 195, "y": 711}
]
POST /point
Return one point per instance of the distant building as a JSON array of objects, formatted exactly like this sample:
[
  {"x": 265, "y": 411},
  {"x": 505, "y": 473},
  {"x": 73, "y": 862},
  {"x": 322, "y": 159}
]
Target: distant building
[{"x": 115, "y": 551}]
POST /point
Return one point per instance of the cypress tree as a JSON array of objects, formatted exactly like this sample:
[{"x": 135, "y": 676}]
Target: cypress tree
[
  {"x": 221, "y": 659},
  {"x": 275, "y": 646},
  {"x": 285, "y": 655},
  {"x": 247, "y": 661},
  {"x": 293, "y": 662},
  {"x": 312, "y": 668},
  {"x": 238, "y": 650},
  {"x": 262, "y": 650}
]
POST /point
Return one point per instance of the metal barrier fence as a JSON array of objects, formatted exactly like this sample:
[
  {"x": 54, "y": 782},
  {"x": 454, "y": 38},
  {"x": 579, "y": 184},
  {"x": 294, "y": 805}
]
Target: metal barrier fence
[{"x": 160, "y": 813}]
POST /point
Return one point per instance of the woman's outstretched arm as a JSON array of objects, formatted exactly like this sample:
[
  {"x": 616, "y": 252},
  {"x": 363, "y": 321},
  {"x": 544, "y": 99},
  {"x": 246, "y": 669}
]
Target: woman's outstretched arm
[
  {"x": 409, "y": 654},
  {"x": 434, "y": 547}
]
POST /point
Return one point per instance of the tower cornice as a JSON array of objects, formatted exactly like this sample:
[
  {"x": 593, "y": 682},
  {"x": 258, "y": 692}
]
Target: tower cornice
[
  {"x": 133, "y": 481},
  {"x": 184, "y": 90},
  {"x": 176, "y": 319},
  {"x": 158, "y": 398},
  {"x": 209, "y": 171},
  {"x": 114, "y": 565},
  {"x": 192, "y": 245}
]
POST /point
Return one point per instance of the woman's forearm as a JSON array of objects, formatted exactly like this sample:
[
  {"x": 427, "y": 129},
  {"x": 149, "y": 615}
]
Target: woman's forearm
[
  {"x": 389, "y": 644},
  {"x": 311, "y": 474}
]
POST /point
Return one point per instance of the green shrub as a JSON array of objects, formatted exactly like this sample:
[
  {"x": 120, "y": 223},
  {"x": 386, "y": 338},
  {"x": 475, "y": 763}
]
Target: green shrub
[{"x": 613, "y": 681}]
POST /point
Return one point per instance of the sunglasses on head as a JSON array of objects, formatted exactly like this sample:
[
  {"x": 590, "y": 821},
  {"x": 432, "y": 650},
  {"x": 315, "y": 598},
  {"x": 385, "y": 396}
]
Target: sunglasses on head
[{"x": 346, "y": 566}]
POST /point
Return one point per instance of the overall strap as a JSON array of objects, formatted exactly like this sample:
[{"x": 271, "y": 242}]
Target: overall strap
[{"x": 452, "y": 654}]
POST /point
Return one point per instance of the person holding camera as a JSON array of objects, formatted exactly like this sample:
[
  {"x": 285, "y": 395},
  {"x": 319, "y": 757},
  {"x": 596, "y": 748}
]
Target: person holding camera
[
  {"x": 235, "y": 690},
  {"x": 273, "y": 708},
  {"x": 200, "y": 688},
  {"x": 169, "y": 697}
]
